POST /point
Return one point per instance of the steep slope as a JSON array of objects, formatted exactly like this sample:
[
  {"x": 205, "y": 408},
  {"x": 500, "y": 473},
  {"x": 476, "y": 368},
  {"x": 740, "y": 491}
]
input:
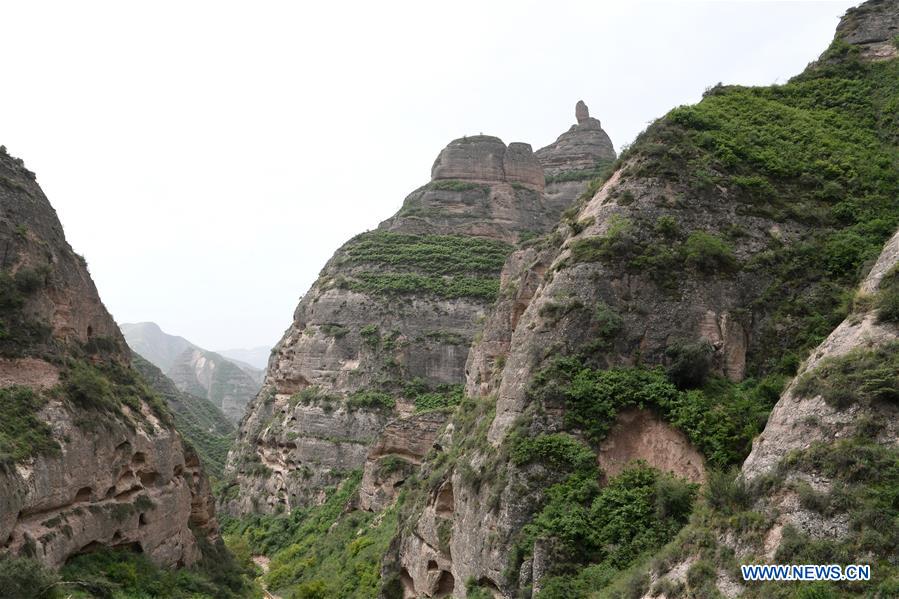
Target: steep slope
[
  {"x": 201, "y": 423},
  {"x": 90, "y": 457},
  {"x": 385, "y": 330},
  {"x": 228, "y": 384},
  {"x": 674, "y": 303},
  {"x": 206, "y": 374}
]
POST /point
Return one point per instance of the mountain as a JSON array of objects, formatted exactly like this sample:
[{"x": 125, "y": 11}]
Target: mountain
[
  {"x": 201, "y": 422},
  {"x": 148, "y": 340},
  {"x": 229, "y": 384},
  {"x": 91, "y": 459},
  {"x": 385, "y": 330},
  {"x": 629, "y": 388},
  {"x": 255, "y": 357}
]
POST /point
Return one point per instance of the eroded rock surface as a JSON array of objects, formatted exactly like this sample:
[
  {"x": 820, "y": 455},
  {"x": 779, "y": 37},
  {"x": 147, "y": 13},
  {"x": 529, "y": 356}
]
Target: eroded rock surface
[{"x": 110, "y": 472}]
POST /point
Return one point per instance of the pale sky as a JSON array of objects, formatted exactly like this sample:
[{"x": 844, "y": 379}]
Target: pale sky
[{"x": 207, "y": 158}]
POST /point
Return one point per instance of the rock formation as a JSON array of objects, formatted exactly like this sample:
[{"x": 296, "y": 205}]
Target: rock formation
[
  {"x": 872, "y": 27},
  {"x": 608, "y": 290},
  {"x": 395, "y": 306},
  {"x": 578, "y": 156},
  {"x": 88, "y": 458}
]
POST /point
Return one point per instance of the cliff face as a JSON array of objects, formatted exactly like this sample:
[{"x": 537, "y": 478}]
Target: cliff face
[
  {"x": 385, "y": 330},
  {"x": 89, "y": 457},
  {"x": 713, "y": 259}
]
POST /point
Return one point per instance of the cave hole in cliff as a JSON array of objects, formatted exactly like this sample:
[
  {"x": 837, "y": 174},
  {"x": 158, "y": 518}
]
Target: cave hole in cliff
[
  {"x": 139, "y": 457},
  {"x": 148, "y": 478},
  {"x": 83, "y": 494},
  {"x": 142, "y": 520},
  {"x": 432, "y": 565},
  {"x": 445, "y": 585},
  {"x": 117, "y": 536},
  {"x": 90, "y": 331},
  {"x": 443, "y": 505}
]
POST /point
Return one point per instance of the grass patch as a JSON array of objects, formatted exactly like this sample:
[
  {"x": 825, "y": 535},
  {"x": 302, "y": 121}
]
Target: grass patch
[
  {"x": 22, "y": 433},
  {"x": 860, "y": 376}
]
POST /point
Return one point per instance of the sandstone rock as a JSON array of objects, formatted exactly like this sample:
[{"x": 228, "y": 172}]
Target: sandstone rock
[
  {"x": 120, "y": 478},
  {"x": 486, "y": 158},
  {"x": 581, "y": 112},
  {"x": 571, "y": 161},
  {"x": 642, "y": 435},
  {"x": 873, "y": 26},
  {"x": 400, "y": 447}
]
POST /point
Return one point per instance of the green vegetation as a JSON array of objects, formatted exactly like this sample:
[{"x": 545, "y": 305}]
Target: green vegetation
[
  {"x": 108, "y": 386},
  {"x": 721, "y": 419},
  {"x": 111, "y": 574},
  {"x": 821, "y": 151},
  {"x": 409, "y": 284},
  {"x": 334, "y": 330},
  {"x": 20, "y": 334},
  {"x": 371, "y": 400},
  {"x": 22, "y": 433},
  {"x": 427, "y": 396},
  {"x": 454, "y": 185},
  {"x": 602, "y": 169},
  {"x": 321, "y": 551},
  {"x": 202, "y": 424},
  {"x": 887, "y": 298},
  {"x": 703, "y": 252},
  {"x": 593, "y": 533},
  {"x": 860, "y": 376},
  {"x": 447, "y": 266}
]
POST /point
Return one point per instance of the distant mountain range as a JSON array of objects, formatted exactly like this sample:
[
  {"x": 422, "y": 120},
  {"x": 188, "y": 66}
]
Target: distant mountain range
[{"x": 229, "y": 383}]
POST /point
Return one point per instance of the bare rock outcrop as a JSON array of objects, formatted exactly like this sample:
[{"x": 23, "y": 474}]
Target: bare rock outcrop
[
  {"x": 486, "y": 158},
  {"x": 573, "y": 159},
  {"x": 400, "y": 448},
  {"x": 873, "y": 27}
]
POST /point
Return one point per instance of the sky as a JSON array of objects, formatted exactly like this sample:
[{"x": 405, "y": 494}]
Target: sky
[{"x": 207, "y": 158}]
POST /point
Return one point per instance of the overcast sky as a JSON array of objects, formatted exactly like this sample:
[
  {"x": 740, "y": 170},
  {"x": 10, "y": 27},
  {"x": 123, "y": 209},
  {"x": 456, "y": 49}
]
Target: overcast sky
[{"x": 208, "y": 157}]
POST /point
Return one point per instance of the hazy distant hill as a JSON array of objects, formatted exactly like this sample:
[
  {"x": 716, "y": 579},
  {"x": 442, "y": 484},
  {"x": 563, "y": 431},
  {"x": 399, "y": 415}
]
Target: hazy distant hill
[
  {"x": 257, "y": 357},
  {"x": 228, "y": 384},
  {"x": 148, "y": 340}
]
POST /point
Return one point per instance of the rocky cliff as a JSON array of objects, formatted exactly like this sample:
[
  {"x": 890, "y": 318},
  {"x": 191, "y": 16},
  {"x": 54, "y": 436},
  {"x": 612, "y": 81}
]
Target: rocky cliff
[
  {"x": 385, "y": 330},
  {"x": 88, "y": 456},
  {"x": 658, "y": 323},
  {"x": 578, "y": 156}
]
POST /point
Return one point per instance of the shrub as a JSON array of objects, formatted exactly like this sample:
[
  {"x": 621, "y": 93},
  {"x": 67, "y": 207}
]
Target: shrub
[
  {"x": 709, "y": 253},
  {"x": 22, "y": 433},
  {"x": 560, "y": 452},
  {"x": 371, "y": 336},
  {"x": 690, "y": 363},
  {"x": 887, "y": 299},
  {"x": 860, "y": 376},
  {"x": 370, "y": 399},
  {"x": 26, "y": 578}
]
